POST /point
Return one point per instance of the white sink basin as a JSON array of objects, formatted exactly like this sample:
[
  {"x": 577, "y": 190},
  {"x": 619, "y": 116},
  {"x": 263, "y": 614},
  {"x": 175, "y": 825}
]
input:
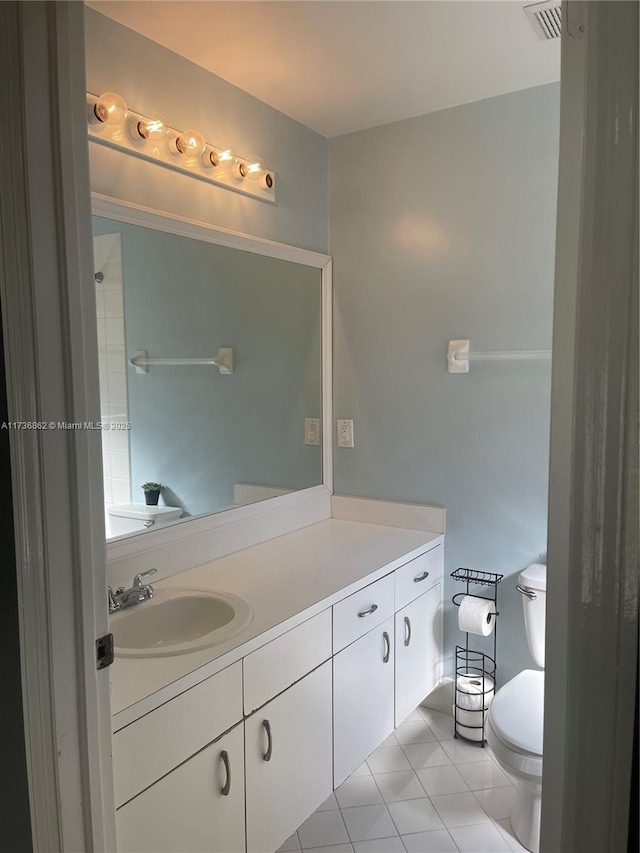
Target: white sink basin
[{"x": 178, "y": 621}]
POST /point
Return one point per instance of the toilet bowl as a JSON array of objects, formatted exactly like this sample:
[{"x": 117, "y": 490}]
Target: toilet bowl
[
  {"x": 516, "y": 715},
  {"x": 514, "y": 733}
]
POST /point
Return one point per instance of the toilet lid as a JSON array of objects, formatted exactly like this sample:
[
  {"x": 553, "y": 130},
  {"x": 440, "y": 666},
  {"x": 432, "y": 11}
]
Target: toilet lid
[{"x": 517, "y": 712}]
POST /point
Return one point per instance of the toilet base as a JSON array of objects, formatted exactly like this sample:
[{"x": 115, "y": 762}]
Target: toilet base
[{"x": 525, "y": 816}]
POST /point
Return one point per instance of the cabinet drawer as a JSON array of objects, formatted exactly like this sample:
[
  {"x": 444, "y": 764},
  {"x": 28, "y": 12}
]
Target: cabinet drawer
[
  {"x": 362, "y": 611},
  {"x": 418, "y": 576},
  {"x": 156, "y": 743},
  {"x": 276, "y": 666}
]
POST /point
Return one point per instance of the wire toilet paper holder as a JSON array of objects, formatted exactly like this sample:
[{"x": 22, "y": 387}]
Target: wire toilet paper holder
[{"x": 472, "y": 662}]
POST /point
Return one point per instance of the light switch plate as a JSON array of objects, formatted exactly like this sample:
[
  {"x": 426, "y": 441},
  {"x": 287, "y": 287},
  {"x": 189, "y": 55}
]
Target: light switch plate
[
  {"x": 312, "y": 431},
  {"x": 345, "y": 432}
]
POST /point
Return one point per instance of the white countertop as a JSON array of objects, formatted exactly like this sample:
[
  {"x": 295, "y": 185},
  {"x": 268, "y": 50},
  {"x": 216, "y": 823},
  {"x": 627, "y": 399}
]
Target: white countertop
[{"x": 285, "y": 581}]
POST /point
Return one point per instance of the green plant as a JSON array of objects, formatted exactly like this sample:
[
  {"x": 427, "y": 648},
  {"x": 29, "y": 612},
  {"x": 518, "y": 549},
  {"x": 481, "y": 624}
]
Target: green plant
[{"x": 151, "y": 487}]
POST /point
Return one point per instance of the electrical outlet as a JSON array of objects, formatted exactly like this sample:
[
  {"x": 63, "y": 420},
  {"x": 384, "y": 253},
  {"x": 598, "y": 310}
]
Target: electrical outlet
[
  {"x": 345, "y": 432},
  {"x": 312, "y": 431}
]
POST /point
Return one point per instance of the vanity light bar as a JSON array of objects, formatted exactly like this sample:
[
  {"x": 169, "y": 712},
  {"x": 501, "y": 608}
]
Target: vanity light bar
[{"x": 112, "y": 123}]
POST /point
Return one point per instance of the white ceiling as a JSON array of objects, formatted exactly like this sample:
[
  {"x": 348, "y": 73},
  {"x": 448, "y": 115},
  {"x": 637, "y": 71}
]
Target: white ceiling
[{"x": 344, "y": 65}]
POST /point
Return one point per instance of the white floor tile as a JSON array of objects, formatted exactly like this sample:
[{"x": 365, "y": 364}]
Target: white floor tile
[
  {"x": 428, "y": 754},
  {"x": 506, "y": 831},
  {"x": 386, "y": 759},
  {"x": 290, "y": 845},
  {"x": 482, "y": 774},
  {"x": 459, "y": 809},
  {"x": 497, "y": 802},
  {"x": 403, "y": 785},
  {"x": 430, "y": 842},
  {"x": 367, "y": 822},
  {"x": 390, "y": 741},
  {"x": 323, "y": 829},
  {"x": 440, "y": 724},
  {"x": 358, "y": 791},
  {"x": 380, "y": 845},
  {"x": 479, "y": 838},
  {"x": 415, "y": 816},
  {"x": 363, "y": 770},
  {"x": 463, "y": 751},
  {"x": 442, "y": 780},
  {"x": 329, "y": 804},
  {"x": 331, "y": 848},
  {"x": 413, "y": 731}
]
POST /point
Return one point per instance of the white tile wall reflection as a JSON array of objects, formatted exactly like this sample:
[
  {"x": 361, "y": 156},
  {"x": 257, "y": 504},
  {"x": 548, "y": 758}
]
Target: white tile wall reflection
[{"x": 107, "y": 252}]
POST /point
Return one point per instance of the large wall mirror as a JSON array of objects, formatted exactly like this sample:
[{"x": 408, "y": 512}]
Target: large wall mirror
[{"x": 211, "y": 380}]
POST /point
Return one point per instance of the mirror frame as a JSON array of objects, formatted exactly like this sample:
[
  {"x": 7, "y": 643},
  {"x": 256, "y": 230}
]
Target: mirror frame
[{"x": 134, "y": 543}]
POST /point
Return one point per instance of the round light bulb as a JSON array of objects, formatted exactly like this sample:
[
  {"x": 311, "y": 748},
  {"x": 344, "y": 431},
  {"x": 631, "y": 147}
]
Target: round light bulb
[
  {"x": 110, "y": 108},
  {"x": 255, "y": 167},
  {"x": 190, "y": 143},
  {"x": 152, "y": 129}
]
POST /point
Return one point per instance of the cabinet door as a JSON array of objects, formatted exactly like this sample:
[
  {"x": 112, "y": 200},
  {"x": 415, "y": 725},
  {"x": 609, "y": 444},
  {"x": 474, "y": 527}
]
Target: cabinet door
[
  {"x": 418, "y": 651},
  {"x": 362, "y": 699},
  {"x": 197, "y": 807},
  {"x": 288, "y": 760}
]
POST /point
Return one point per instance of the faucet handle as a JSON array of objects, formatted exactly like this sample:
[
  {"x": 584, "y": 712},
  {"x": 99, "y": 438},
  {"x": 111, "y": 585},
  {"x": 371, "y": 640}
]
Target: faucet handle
[{"x": 137, "y": 581}]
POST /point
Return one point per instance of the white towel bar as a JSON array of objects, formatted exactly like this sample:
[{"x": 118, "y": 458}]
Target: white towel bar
[
  {"x": 223, "y": 361},
  {"x": 459, "y": 356}
]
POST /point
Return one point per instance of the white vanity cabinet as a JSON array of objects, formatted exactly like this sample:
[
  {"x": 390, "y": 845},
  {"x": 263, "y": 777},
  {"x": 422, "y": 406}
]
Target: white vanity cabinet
[
  {"x": 198, "y": 807},
  {"x": 288, "y": 760},
  {"x": 238, "y": 761},
  {"x": 363, "y": 703},
  {"x": 417, "y": 651}
]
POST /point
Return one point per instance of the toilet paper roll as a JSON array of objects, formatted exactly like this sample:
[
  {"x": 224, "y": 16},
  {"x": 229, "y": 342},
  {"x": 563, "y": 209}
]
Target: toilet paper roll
[
  {"x": 476, "y": 615},
  {"x": 469, "y": 724},
  {"x": 474, "y": 692}
]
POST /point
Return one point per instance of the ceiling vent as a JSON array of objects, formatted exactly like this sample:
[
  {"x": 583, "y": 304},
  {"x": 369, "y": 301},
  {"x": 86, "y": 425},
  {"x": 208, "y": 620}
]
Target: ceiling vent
[{"x": 545, "y": 19}]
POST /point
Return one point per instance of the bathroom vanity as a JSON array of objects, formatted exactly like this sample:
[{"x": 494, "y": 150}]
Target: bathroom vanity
[{"x": 232, "y": 747}]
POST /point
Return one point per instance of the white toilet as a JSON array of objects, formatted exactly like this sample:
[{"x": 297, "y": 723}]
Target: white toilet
[{"x": 514, "y": 723}]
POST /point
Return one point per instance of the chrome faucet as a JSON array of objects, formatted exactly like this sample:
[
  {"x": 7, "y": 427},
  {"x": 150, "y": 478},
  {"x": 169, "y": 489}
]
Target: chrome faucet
[{"x": 138, "y": 592}]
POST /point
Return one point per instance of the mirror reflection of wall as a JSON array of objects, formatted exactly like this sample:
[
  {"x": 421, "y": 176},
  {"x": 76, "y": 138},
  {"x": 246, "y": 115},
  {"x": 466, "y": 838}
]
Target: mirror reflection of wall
[{"x": 212, "y": 440}]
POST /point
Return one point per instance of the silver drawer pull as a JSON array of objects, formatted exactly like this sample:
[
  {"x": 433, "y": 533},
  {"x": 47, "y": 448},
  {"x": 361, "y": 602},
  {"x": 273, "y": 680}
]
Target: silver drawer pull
[
  {"x": 387, "y": 644},
  {"x": 226, "y": 788},
  {"x": 368, "y": 612},
  {"x": 421, "y": 577},
  {"x": 267, "y": 727},
  {"x": 407, "y": 630},
  {"x": 528, "y": 592}
]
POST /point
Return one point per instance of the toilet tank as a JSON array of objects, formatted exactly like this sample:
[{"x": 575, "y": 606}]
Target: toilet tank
[
  {"x": 532, "y": 583},
  {"x": 130, "y": 518}
]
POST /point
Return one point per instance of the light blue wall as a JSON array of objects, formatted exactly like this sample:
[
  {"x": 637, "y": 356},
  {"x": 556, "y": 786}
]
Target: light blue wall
[
  {"x": 193, "y": 429},
  {"x": 150, "y": 77},
  {"x": 443, "y": 227}
]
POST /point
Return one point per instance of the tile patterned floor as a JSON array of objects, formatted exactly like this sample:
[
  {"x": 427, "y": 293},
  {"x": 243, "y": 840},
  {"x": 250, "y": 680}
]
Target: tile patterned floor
[{"x": 420, "y": 792}]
